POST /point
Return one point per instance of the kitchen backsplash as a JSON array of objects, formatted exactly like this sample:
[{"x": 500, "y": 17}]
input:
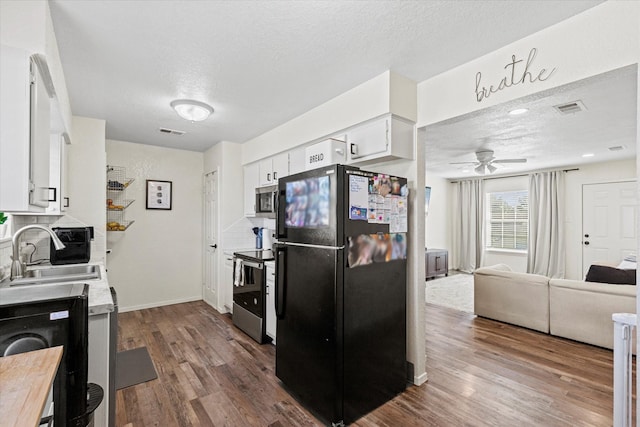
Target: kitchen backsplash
[
  {"x": 239, "y": 234},
  {"x": 39, "y": 240}
]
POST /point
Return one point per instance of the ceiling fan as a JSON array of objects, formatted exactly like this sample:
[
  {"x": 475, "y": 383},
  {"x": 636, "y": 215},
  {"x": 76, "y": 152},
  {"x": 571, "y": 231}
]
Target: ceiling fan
[{"x": 486, "y": 162}]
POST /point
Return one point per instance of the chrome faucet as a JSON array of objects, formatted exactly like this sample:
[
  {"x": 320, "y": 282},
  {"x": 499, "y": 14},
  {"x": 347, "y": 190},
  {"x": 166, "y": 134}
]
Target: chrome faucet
[{"x": 16, "y": 265}]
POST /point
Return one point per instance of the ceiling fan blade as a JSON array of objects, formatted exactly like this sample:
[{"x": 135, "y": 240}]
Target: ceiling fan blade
[
  {"x": 510, "y": 161},
  {"x": 463, "y": 163}
]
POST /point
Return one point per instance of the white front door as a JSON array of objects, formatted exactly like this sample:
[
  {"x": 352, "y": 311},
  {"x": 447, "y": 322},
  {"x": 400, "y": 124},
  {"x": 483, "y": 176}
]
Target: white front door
[
  {"x": 210, "y": 288},
  {"x": 609, "y": 231}
]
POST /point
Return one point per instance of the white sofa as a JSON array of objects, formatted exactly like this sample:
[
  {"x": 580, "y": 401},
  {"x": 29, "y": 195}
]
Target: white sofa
[
  {"x": 517, "y": 298},
  {"x": 571, "y": 309}
]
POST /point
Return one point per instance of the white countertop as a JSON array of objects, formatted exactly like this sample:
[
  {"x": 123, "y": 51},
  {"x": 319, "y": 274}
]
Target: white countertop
[{"x": 100, "y": 301}]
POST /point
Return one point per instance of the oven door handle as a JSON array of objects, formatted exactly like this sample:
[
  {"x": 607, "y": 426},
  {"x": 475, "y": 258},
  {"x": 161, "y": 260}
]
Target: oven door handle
[
  {"x": 280, "y": 282},
  {"x": 250, "y": 264}
]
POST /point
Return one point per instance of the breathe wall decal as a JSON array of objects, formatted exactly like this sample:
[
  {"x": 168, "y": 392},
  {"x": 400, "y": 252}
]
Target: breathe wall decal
[{"x": 516, "y": 74}]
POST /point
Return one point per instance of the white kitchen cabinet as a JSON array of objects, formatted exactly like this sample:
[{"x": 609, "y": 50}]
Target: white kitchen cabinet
[
  {"x": 251, "y": 181},
  {"x": 297, "y": 160},
  {"x": 25, "y": 85},
  {"x": 271, "y": 300},
  {"x": 226, "y": 287},
  {"x": 273, "y": 168},
  {"x": 98, "y": 366},
  {"x": 381, "y": 139},
  {"x": 58, "y": 176}
]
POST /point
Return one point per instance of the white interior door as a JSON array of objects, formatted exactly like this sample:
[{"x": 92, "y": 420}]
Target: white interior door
[
  {"x": 210, "y": 288},
  {"x": 609, "y": 231}
]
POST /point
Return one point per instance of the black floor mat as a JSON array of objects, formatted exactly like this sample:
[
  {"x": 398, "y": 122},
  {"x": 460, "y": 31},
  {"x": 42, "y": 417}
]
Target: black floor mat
[{"x": 134, "y": 367}]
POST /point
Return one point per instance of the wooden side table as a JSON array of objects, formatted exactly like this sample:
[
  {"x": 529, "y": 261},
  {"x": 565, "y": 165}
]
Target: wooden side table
[{"x": 436, "y": 262}]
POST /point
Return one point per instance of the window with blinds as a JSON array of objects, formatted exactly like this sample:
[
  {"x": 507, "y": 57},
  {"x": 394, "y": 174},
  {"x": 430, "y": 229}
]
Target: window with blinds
[{"x": 508, "y": 220}]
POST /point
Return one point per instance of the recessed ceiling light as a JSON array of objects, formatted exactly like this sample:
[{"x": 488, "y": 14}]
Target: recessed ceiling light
[
  {"x": 518, "y": 111},
  {"x": 588, "y": 155},
  {"x": 194, "y": 111}
]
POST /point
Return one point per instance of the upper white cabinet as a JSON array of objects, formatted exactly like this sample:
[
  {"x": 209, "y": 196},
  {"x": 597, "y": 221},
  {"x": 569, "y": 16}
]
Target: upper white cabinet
[
  {"x": 26, "y": 89},
  {"x": 273, "y": 168},
  {"x": 297, "y": 160},
  {"x": 384, "y": 138},
  {"x": 59, "y": 199},
  {"x": 251, "y": 181}
]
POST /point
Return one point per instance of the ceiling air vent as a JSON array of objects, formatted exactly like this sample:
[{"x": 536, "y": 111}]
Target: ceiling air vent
[
  {"x": 172, "y": 131},
  {"x": 570, "y": 107},
  {"x": 616, "y": 148}
]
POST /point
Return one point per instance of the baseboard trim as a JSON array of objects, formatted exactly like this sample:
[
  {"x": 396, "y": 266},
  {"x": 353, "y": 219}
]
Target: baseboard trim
[
  {"x": 420, "y": 379},
  {"x": 122, "y": 309}
]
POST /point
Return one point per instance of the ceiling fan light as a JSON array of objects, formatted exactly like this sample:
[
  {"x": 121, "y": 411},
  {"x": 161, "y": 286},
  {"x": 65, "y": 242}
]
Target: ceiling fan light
[{"x": 194, "y": 111}]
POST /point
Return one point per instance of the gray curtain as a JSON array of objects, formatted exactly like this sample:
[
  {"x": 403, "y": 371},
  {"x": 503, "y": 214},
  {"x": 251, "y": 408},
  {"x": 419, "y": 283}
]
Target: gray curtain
[
  {"x": 546, "y": 249},
  {"x": 468, "y": 230}
]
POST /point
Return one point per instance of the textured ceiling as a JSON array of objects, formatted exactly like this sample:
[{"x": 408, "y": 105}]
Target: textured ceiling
[
  {"x": 543, "y": 136},
  {"x": 262, "y": 63}
]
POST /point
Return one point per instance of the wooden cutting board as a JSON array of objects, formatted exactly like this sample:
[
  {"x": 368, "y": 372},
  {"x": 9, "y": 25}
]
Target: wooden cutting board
[{"x": 25, "y": 382}]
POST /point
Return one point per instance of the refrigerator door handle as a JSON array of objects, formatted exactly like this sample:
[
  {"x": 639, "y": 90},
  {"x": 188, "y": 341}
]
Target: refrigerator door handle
[
  {"x": 281, "y": 230},
  {"x": 281, "y": 282}
]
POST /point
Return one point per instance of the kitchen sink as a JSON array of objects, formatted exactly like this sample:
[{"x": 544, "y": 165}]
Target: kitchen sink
[{"x": 59, "y": 274}]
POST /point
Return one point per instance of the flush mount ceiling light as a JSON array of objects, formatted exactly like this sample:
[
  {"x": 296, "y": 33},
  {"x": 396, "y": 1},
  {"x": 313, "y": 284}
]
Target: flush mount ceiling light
[
  {"x": 194, "y": 111},
  {"x": 518, "y": 111}
]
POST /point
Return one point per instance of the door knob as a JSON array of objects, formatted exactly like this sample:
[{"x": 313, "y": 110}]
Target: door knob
[{"x": 213, "y": 246}]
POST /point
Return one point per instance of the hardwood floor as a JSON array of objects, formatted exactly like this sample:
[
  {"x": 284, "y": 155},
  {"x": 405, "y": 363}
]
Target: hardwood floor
[{"x": 481, "y": 373}]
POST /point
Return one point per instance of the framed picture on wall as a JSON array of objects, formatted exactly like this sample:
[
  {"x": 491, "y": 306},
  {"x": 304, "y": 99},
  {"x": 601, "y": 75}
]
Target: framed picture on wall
[{"x": 159, "y": 194}]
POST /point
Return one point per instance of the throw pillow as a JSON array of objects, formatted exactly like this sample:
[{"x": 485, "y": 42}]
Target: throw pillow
[{"x": 606, "y": 274}]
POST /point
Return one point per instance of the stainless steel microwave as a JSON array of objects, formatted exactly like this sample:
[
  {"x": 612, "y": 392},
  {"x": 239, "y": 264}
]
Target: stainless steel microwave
[{"x": 266, "y": 201}]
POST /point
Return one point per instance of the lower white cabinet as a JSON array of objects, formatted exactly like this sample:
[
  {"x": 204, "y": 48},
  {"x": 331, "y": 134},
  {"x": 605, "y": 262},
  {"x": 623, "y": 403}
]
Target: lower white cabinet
[
  {"x": 271, "y": 300},
  {"x": 226, "y": 288},
  {"x": 99, "y": 363}
]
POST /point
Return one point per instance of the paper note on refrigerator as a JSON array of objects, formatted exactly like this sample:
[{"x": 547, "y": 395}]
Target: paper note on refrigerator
[{"x": 358, "y": 197}]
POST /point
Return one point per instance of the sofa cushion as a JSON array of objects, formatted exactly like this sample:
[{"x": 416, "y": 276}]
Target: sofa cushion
[
  {"x": 612, "y": 275},
  {"x": 582, "y": 311}
]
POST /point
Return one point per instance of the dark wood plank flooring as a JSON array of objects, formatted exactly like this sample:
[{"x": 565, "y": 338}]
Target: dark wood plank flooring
[{"x": 481, "y": 373}]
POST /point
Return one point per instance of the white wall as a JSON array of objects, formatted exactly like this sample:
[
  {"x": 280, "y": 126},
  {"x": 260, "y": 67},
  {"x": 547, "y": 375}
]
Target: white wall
[
  {"x": 603, "y": 38},
  {"x": 87, "y": 179},
  {"x": 386, "y": 93},
  {"x": 226, "y": 159},
  {"x": 158, "y": 259},
  {"x": 438, "y": 219}
]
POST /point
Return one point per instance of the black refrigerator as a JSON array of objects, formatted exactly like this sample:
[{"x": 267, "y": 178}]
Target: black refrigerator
[{"x": 341, "y": 290}]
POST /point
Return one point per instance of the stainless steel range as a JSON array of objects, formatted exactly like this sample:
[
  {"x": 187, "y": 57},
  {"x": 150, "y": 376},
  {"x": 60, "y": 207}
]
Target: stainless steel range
[{"x": 249, "y": 293}]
